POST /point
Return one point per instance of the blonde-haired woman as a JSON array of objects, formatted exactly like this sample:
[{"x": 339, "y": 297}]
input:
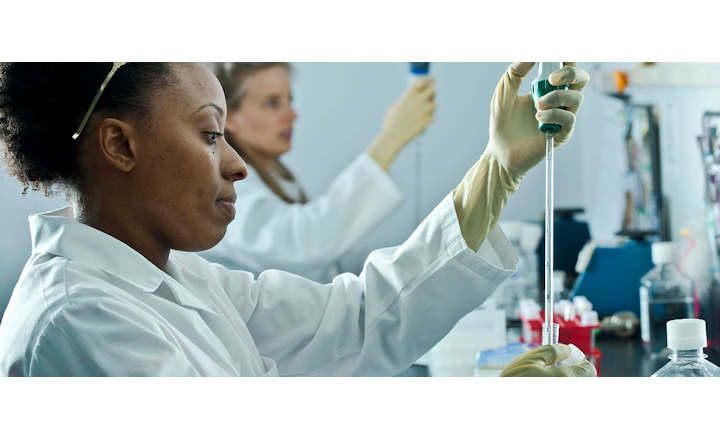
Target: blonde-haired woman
[{"x": 277, "y": 226}]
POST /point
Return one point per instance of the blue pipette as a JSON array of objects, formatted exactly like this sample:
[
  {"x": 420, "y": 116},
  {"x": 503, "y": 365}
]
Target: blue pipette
[{"x": 418, "y": 71}]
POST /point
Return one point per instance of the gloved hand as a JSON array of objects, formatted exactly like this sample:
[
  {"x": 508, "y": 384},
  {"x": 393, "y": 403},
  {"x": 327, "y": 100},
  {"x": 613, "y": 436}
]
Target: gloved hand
[
  {"x": 515, "y": 145},
  {"x": 540, "y": 363},
  {"x": 404, "y": 120},
  {"x": 514, "y": 135}
]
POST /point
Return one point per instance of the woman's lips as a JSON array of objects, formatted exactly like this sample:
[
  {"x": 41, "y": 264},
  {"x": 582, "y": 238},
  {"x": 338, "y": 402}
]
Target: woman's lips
[
  {"x": 228, "y": 207},
  {"x": 287, "y": 134}
]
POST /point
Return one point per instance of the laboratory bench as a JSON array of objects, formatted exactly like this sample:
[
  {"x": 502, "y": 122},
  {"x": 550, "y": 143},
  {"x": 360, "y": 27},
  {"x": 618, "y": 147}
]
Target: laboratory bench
[
  {"x": 625, "y": 357},
  {"x": 621, "y": 357}
]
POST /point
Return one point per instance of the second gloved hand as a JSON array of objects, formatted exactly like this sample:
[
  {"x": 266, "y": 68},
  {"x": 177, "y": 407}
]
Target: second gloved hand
[
  {"x": 405, "y": 119},
  {"x": 542, "y": 362}
]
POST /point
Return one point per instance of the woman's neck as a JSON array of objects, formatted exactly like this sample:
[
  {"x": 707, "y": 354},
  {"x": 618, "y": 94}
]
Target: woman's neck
[
  {"x": 125, "y": 229},
  {"x": 270, "y": 163}
]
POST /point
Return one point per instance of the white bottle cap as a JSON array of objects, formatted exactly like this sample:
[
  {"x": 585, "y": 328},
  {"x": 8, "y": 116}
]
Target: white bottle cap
[
  {"x": 545, "y": 69},
  {"x": 686, "y": 334},
  {"x": 663, "y": 252}
]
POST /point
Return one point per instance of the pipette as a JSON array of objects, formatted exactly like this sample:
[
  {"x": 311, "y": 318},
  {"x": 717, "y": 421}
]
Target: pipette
[
  {"x": 418, "y": 71},
  {"x": 540, "y": 87}
]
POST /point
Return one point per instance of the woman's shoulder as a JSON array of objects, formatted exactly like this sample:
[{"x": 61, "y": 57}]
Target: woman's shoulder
[
  {"x": 59, "y": 280},
  {"x": 57, "y": 296}
]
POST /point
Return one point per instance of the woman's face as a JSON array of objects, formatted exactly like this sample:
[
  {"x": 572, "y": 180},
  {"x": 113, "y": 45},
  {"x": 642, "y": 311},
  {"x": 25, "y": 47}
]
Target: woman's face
[
  {"x": 264, "y": 119},
  {"x": 185, "y": 166}
]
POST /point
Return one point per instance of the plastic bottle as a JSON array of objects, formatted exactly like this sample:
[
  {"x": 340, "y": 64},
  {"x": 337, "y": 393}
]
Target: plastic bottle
[
  {"x": 686, "y": 340},
  {"x": 665, "y": 294}
]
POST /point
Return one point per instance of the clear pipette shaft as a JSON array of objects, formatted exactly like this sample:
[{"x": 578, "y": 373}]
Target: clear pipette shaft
[{"x": 549, "y": 330}]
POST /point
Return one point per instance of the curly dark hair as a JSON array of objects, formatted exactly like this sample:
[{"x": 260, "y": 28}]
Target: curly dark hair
[{"x": 42, "y": 104}]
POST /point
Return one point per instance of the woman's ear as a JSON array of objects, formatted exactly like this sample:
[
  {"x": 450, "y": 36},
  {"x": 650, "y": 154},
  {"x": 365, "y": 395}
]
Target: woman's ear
[{"x": 116, "y": 144}]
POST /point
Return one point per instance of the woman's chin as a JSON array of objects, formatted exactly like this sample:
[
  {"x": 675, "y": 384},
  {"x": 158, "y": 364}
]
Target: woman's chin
[{"x": 202, "y": 242}]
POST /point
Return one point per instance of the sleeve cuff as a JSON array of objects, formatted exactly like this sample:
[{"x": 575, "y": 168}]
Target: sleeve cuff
[{"x": 495, "y": 260}]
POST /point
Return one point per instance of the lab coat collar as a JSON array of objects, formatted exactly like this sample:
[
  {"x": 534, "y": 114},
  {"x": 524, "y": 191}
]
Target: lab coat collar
[
  {"x": 186, "y": 281},
  {"x": 58, "y": 233}
]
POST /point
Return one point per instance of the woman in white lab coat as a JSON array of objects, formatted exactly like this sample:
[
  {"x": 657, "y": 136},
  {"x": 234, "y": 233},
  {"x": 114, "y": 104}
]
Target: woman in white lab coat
[
  {"x": 113, "y": 286},
  {"x": 276, "y": 226}
]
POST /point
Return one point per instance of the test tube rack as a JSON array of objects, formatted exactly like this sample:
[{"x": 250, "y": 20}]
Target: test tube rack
[{"x": 571, "y": 332}]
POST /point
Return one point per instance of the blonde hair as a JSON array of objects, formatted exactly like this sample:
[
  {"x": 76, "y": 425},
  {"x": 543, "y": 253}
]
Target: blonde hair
[{"x": 232, "y": 77}]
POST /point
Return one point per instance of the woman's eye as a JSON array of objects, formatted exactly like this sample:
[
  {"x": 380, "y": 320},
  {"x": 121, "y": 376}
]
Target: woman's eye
[
  {"x": 212, "y": 136},
  {"x": 273, "y": 102}
]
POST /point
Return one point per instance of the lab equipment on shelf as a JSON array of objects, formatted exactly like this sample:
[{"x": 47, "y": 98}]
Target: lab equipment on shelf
[
  {"x": 620, "y": 266},
  {"x": 709, "y": 143}
]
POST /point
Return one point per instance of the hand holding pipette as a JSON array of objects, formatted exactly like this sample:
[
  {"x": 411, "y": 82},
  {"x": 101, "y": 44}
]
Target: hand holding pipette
[
  {"x": 514, "y": 134},
  {"x": 514, "y": 146},
  {"x": 407, "y": 118}
]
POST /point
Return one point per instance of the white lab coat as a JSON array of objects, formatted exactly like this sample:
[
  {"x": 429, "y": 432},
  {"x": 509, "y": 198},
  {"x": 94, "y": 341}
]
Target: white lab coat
[
  {"x": 309, "y": 239},
  {"x": 87, "y": 304}
]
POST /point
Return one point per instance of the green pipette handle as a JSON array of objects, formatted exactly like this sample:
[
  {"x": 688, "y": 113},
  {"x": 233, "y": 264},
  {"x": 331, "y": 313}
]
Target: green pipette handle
[{"x": 541, "y": 88}]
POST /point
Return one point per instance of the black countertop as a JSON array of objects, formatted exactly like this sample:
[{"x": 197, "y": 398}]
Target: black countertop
[{"x": 621, "y": 357}]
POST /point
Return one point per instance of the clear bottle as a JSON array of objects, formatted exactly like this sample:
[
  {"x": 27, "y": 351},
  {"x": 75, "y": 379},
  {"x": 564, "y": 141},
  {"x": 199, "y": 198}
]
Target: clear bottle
[
  {"x": 665, "y": 294},
  {"x": 686, "y": 340}
]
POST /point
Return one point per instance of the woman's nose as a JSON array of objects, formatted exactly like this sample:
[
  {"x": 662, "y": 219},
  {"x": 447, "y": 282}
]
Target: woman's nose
[
  {"x": 292, "y": 114},
  {"x": 232, "y": 166}
]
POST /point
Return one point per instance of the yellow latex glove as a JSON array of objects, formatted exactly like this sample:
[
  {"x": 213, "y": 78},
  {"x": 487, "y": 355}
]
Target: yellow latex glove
[
  {"x": 541, "y": 361},
  {"x": 515, "y": 145},
  {"x": 405, "y": 119}
]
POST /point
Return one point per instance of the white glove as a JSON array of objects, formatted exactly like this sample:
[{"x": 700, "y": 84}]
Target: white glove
[
  {"x": 514, "y": 135},
  {"x": 515, "y": 145},
  {"x": 405, "y": 119},
  {"x": 541, "y": 361}
]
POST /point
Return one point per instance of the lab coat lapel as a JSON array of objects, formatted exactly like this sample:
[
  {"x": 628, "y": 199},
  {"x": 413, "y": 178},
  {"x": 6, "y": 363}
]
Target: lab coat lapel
[{"x": 183, "y": 285}]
